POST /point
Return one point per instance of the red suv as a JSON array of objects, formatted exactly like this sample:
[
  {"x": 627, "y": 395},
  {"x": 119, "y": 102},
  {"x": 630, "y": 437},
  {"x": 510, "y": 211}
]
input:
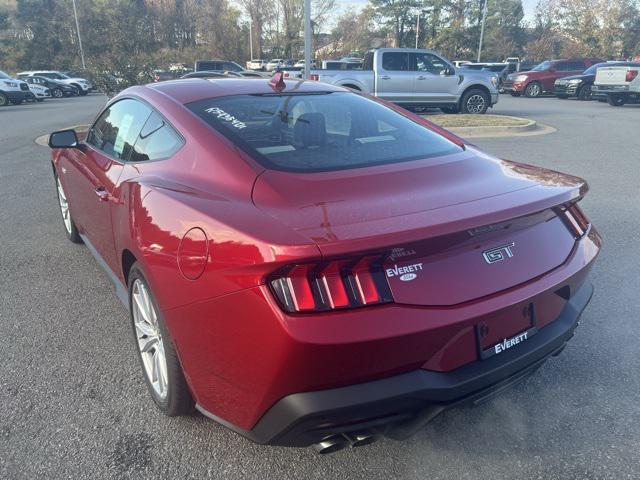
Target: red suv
[{"x": 542, "y": 77}]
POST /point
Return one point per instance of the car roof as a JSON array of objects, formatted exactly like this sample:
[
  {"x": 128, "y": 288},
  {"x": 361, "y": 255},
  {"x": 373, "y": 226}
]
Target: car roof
[{"x": 193, "y": 89}]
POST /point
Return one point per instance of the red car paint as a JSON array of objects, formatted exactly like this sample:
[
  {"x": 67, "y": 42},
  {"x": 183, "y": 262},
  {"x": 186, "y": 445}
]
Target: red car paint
[
  {"x": 547, "y": 77},
  {"x": 210, "y": 225}
]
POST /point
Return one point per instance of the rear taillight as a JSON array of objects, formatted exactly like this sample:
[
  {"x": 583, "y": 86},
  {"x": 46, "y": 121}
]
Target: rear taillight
[
  {"x": 314, "y": 76},
  {"x": 331, "y": 285},
  {"x": 574, "y": 219},
  {"x": 631, "y": 75}
]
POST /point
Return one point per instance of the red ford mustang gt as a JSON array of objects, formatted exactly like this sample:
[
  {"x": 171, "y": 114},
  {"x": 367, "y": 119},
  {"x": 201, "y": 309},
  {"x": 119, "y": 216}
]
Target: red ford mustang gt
[{"x": 310, "y": 266}]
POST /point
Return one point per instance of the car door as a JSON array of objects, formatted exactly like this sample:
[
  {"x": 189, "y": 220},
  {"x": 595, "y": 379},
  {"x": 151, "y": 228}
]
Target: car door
[
  {"x": 394, "y": 80},
  {"x": 559, "y": 70},
  {"x": 94, "y": 173},
  {"x": 433, "y": 81}
]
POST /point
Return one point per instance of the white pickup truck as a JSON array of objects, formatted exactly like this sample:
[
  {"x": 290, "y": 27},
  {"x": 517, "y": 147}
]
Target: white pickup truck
[
  {"x": 417, "y": 78},
  {"x": 620, "y": 84}
]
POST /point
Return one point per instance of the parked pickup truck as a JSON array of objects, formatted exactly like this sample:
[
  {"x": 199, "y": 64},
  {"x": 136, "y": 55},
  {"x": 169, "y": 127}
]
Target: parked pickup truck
[
  {"x": 620, "y": 84},
  {"x": 416, "y": 78}
]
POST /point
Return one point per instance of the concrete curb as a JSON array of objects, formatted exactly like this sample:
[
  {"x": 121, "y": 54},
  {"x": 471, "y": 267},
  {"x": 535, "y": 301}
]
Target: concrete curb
[{"x": 530, "y": 127}]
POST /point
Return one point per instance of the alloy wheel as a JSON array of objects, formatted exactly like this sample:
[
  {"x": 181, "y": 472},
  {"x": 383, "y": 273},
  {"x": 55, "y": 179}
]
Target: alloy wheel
[
  {"x": 475, "y": 104},
  {"x": 533, "y": 90},
  {"x": 64, "y": 206},
  {"x": 149, "y": 338},
  {"x": 57, "y": 93}
]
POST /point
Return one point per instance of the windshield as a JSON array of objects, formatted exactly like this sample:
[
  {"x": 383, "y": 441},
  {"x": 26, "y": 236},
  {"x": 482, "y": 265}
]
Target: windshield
[
  {"x": 542, "y": 66},
  {"x": 3, "y": 75},
  {"x": 319, "y": 131}
]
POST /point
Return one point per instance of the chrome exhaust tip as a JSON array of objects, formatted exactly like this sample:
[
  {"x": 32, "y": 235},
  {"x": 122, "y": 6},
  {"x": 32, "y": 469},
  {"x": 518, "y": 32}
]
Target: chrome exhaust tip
[
  {"x": 360, "y": 439},
  {"x": 331, "y": 444}
]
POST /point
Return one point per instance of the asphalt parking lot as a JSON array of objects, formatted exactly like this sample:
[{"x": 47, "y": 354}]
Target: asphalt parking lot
[{"x": 73, "y": 403}]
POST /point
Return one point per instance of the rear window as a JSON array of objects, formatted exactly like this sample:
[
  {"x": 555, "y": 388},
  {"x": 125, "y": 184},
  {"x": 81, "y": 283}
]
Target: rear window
[{"x": 319, "y": 132}]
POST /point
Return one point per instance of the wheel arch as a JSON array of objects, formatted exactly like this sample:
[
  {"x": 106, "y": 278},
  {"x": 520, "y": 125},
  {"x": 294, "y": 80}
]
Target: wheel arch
[{"x": 475, "y": 86}]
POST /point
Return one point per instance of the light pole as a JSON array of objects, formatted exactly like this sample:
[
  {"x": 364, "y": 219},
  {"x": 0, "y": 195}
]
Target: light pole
[
  {"x": 250, "y": 40},
  {"x": 307, "y": 38},
  {"x": 421, "y": 12},
  {"x": 484, "y": 17},
  {"x": 75, "y": 14}
]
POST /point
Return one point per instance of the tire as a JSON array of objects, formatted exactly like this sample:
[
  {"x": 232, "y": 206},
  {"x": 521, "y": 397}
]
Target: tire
[
  {"x": 4, "y": 101},
  {"x": 40, "y": 100},
  {"x": 562, "y": 97},
  {"x": 450, "y": 110},
  {"x": 16, "y": 102},
  {"x": 169, "y": 391},
  {"x": 352, "y": 87},
  {"x": 584, "y": 93},
  {"x": 69, "y": 226},
  {"x": 616, "y": 100},
  {"x": 533, "y": 90},
  {"x": 515, "y": 94},
  {"x": 475, "y": 101},
  {"x": 57, "y": 93}
]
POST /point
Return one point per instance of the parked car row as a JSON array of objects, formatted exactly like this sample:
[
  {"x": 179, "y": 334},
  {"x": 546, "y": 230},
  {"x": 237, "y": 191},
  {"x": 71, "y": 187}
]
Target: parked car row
[
  {"x": 29, "y": 86},
  {"x": 615, "y": 82}
]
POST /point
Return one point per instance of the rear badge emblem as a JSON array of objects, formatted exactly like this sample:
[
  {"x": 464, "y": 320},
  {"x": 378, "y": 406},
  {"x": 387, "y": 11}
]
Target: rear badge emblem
[
  {"x": 406, "y": 273},
  {"x": 498, "y": 254},
  {"x": 407, "y": 277}
]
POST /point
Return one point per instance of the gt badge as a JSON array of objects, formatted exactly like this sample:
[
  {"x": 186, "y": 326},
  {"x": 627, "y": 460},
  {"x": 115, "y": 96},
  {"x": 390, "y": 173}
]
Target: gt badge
[{"x": 498, "y": 254}]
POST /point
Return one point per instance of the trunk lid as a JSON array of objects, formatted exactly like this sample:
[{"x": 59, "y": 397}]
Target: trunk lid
[{"x": 442, "y": 222}]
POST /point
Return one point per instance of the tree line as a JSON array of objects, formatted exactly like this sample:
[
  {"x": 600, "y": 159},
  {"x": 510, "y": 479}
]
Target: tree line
[{"x": 134, "y": 35}]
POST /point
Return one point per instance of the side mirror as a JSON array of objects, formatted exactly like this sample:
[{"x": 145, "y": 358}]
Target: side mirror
[
  {"x": 450, "y": 71},
  {"x": 64, "y": 139}
]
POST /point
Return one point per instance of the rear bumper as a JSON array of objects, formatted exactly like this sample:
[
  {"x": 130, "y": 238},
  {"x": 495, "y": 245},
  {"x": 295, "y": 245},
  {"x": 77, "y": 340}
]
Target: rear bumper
[
  {"x": 398, "y": 406},
  {"x": 606, "y": 89}
]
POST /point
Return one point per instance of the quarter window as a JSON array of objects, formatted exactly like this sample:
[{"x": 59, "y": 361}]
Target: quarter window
[
  {"x": 117, "y": 129},
  {"x": 157, "y": 140}
]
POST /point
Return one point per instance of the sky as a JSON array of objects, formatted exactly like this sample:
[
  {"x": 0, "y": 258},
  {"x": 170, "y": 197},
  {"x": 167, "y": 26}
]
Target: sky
[{"x": 343, "y": 5}]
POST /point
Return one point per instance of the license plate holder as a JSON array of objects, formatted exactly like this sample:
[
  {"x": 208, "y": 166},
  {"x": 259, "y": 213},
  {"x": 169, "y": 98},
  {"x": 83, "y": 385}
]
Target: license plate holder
[{"x": 508, "y": 342}]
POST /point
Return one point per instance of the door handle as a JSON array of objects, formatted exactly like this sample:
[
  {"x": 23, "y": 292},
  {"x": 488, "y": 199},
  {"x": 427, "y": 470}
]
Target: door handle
[
  {"x": 385, "y": 77},
  {"x": 422, "y": 77},
  {"x": 102, "y": 194}
]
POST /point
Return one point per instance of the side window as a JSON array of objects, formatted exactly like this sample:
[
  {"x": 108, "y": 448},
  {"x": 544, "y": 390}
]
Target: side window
[
  {"x": 562, "y": 67},
  {"x": 157, "y": 140},
  {"x": 427, "y": 62},
  {"x": 576, "y": 66},
  {"x": 395, "y": 61},
  {"x": 117, "y": 129}
]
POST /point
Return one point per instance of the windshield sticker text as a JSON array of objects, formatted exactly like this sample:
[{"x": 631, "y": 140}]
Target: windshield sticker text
[{"x": 227, "y": 117}]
